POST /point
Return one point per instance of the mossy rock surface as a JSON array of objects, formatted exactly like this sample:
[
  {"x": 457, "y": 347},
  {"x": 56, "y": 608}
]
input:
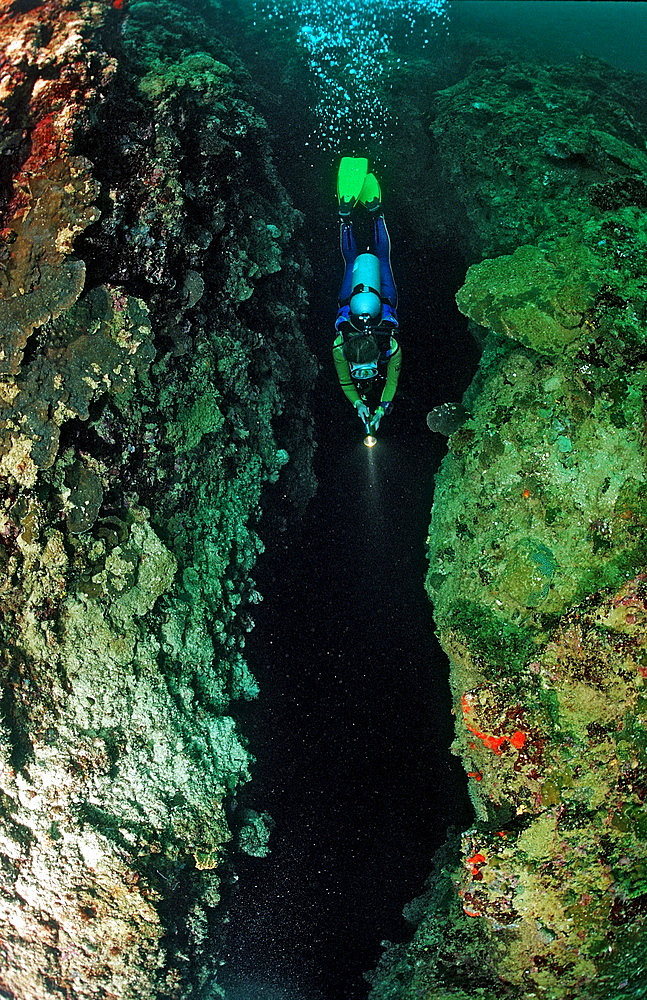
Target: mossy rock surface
[
  {"x": 538, "y": 298},
  {"x": 146, "y": 396},
  {"x": 537, "y": 553}
]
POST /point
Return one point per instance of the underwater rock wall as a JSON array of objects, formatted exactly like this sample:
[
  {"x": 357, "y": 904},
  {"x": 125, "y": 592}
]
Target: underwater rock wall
[
  {"x": 538, "y": 559},
  {"x": 152, "y": 379}
]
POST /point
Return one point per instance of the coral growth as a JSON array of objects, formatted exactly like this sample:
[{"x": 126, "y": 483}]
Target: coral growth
[
  {"x": 537, "y": 548},
  {"x": 528, "y": 150},
  {"x": 149, "y": 309}
]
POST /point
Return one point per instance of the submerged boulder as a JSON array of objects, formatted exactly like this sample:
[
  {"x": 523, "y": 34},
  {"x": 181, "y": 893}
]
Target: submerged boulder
[
  {"x": 537, "y": 553},
  {"x": 150, "y": 304}
]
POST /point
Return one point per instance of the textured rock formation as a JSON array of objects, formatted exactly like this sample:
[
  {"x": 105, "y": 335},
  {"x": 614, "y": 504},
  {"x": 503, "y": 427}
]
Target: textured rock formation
[
  {"x": 149, "y": 351},
  {"x": 537, "y": 549}
]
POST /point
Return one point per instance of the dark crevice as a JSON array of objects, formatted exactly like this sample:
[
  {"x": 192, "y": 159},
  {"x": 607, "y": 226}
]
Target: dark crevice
[
  {"x": 352, "y": 729},
  {"x": 16, "y": 685},
  {"x": 24, "y": 6}
]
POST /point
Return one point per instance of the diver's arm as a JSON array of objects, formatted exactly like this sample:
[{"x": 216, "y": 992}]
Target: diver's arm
[
  {"x": 343, "y": 374},
  {"x": 392, "y": 374}
]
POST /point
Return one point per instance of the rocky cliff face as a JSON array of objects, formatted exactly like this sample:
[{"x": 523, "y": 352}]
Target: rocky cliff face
[
  {"x": 152, "y": 378},
  {"x": 537, "y": 547}
]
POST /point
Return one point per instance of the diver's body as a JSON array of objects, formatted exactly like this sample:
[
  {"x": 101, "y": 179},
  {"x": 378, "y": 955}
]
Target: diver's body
[{"x": 365, "y": 349}]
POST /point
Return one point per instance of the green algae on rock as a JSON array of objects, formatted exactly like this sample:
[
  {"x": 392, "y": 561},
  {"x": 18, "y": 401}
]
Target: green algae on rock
[
  {"x": 568, "y": 292},
  {"x": 144, "y": 401},
  {"x": 547, "y": 466},
  {"x": 526, "y": 146},
  {"x": 544, "y": 296},
  {"x": 537, "y": 552}
]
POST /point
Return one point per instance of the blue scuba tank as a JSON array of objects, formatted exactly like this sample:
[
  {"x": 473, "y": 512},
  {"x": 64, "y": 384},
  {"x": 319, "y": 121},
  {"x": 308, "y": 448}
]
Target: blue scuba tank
[{"x": 365, "y": 298}]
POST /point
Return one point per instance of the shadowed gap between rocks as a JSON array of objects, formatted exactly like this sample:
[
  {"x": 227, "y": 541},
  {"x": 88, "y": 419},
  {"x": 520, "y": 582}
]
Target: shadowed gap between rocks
[{"x": 352, "y": 727}]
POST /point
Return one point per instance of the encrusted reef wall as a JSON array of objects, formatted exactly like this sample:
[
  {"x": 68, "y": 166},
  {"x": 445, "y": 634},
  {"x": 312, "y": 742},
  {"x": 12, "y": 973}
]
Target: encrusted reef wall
[
  {"x": 152, "y": 378},
  {"x": 537, "y": 547}
]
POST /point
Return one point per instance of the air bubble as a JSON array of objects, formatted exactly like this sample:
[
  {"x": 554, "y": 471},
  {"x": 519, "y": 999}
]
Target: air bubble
[{"x": 346, "y": 46}]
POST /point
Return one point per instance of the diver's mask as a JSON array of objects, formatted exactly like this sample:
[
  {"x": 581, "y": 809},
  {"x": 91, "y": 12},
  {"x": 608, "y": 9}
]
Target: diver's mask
[{"x": 363, "y": 370}]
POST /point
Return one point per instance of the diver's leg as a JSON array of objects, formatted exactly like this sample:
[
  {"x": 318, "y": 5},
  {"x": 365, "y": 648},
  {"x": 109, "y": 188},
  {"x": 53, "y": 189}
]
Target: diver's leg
[
  {"x": 382, "y": 249},
  {"x": 349, "y": 253}
]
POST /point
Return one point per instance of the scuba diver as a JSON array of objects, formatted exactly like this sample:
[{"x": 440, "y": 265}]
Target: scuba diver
[{"x": 365, "y": 350}]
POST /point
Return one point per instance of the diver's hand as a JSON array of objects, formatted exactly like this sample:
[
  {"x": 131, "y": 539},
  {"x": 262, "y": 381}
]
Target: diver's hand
[
  {"x": 363, "y": 411},
  {"x": 381, "y": 411}
]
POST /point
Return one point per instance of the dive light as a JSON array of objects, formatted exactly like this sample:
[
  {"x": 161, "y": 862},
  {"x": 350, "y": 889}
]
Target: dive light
[{"x": 370, "y": 440}]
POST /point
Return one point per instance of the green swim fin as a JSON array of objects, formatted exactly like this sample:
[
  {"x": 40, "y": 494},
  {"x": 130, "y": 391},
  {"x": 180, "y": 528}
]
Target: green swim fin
[
  {"x": 370, "y": 195},
  {"x": 350, "y": 179}
]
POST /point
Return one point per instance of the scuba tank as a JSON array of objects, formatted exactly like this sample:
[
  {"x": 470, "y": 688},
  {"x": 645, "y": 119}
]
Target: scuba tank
[{"x": 365, "y": 299}]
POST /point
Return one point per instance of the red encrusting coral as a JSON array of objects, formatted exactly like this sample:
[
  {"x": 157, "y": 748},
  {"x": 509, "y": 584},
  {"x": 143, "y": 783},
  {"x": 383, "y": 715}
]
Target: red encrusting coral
[{"x": 493, "y": 743}]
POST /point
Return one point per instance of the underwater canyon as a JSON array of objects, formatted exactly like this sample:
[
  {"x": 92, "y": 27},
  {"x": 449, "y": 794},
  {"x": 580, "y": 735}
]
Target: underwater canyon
[{"x": 194, "y": 807}]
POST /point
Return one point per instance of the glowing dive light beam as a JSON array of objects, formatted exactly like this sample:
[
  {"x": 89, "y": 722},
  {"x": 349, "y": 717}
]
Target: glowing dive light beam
[
  {"x": 370, "y": 441},
  {"x": 372, "y": 487}
]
